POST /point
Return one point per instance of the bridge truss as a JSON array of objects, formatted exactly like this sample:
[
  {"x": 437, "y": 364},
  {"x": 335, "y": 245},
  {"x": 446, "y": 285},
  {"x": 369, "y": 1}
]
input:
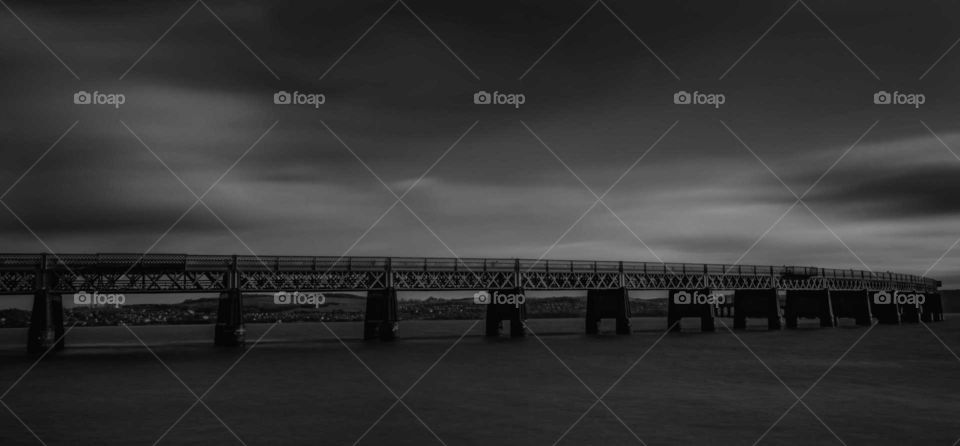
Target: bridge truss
[{"x": 176, "y": 273}]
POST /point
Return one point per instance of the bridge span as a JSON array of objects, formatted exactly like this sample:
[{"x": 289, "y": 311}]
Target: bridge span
[{"x": 692, "y": 288}]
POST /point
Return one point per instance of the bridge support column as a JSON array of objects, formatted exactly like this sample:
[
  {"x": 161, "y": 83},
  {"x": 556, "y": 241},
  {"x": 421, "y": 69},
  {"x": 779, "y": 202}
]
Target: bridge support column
[
  {"x": 690, "y": 303},
  {"x": 725, "y": 310},
  {"x": 852, "y": 304},
  {"x": 513, "y": 312},
  {"x": 933, "y": 309},
  {"x": 884, "y": 308},
  {"x": 808, "y": 304},
  {"x": 911, "y": 312},
  {"x": 756, "y": 304},
  {"x": 611, "y": 303},
  {"x": 229, "y": 330},
  {"x": 926, "y": 310},
  {"x": 46, "y": 322},
  {"x": 382, "y": 315}
]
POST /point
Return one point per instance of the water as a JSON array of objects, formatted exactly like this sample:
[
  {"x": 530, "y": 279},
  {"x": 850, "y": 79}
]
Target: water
[
  {"x": 303, "y": 386},
  {"x": 116, "y": 336}
]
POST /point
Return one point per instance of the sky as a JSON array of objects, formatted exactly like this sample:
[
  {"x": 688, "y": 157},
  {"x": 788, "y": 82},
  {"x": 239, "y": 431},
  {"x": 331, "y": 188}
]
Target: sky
[{"x": 679, "y": 183}]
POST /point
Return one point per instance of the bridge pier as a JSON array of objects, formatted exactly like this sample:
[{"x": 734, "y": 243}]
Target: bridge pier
[
  {"x": 927, "y": 309},
  {"x": 46, "y": 322},
  {"x": 884, "y": 308},
  {"x": 229, "y": 330},
  {"x": 725, "y": 310},
  {"x": 498, "y": 312},
  {"x": 756, "y": 304},
  {"x": 852, "y": 304},
  {"x": 933, "y": 309},
  {"x": 911, "y": 312},
  {"x": 608, "y": 303},
  {"x": 685, "y": 303},
  {"x": 813, "y": 304},
  {"x": 382, "y": 315}
]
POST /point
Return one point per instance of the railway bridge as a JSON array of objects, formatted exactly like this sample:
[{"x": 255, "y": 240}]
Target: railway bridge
[{"x": 774, "y": 293}]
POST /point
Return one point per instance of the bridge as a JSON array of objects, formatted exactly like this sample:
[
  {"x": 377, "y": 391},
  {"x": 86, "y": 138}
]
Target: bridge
[{"x": 821, "y": 293}]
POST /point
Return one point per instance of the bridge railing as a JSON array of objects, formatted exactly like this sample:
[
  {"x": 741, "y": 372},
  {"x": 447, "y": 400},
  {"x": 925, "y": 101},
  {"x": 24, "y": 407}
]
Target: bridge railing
[
  {"x": 279, "y": 264},
  {"x": 205, "y": 262},
  {"x": 451, "y": 265},
  {"x": 20, "y": 261}
]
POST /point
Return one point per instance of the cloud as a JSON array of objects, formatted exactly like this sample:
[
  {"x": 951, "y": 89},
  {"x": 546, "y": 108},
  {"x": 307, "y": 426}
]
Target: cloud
[{"x": 400, "y": 99}]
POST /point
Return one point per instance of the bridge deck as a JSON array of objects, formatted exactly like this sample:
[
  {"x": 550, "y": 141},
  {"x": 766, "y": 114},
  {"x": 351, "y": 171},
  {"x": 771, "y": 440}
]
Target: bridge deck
[{"x": 172, "y": 273}]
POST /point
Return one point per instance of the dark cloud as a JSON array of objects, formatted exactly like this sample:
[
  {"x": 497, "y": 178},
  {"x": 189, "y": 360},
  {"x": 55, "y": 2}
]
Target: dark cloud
[
  {"x": 902, "y": 193},
  {"x": 400, "y": 98}
]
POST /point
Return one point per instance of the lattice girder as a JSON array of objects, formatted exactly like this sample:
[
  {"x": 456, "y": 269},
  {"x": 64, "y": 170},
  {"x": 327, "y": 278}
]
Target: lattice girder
[{"x": 135, "y": 273}]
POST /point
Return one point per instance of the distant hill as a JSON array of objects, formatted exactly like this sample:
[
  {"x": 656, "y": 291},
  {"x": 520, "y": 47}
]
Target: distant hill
[{"x": 264, "y": 302}]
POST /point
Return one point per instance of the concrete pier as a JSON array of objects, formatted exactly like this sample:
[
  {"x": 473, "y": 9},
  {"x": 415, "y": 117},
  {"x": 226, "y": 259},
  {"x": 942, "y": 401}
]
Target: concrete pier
[
  {"x": 608, "y": 304},
  {"x": 811, "y": 304},
  {"x": 691, "y": 303},
  {"x": 382, "y": 319},
  {"x": 933, "y": 310},
  {"x": 498, "y": 312},
  {"x": 911, "y": 306},
  {"x": 853, "y": 304},
  {"x": 46, "y": 322},
  {"x": 229, "y": 330},
  {"x": 883, "y": 307},
  {"x": 763, "y": 304}
]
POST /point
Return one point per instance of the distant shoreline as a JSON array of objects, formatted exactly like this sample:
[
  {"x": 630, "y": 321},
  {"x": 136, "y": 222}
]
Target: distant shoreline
[{"x": 337, "y": 308}]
